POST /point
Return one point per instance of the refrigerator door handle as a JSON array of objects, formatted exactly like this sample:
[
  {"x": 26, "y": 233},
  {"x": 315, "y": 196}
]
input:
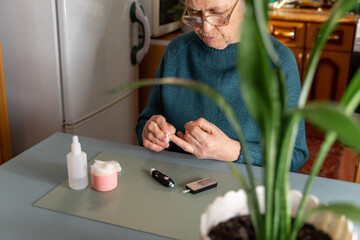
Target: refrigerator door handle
[{"x": 137, "y": 14}]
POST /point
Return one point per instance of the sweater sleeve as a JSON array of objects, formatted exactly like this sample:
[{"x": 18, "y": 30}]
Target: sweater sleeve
[
  {"x": 301, "y": 153},
  {"x": 153, "y": 105},
  {"x": 293, "y": 86}
]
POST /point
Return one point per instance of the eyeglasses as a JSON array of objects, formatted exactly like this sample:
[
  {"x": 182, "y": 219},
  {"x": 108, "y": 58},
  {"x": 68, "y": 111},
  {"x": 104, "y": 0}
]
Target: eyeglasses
[{"x": 215, "y": 19}]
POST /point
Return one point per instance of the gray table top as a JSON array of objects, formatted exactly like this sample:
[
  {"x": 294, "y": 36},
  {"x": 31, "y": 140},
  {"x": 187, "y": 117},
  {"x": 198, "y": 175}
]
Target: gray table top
[{"x": 35, "y": 172}]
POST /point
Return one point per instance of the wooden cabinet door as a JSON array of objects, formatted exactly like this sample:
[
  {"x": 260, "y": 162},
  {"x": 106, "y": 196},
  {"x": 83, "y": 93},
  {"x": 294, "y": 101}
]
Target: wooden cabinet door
[
  {"x": 342, "y": 39},
  {"x": 331, "y": 76},
  {"x": 5, "y": 145},
  {"x": 291, "y": 34}
]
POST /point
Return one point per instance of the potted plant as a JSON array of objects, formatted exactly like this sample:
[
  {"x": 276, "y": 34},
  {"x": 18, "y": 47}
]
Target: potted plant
[
  {"x": 263, "y": 87},
  {"x": 177, "y": 11},
  {"x": 334, "y": 119}
]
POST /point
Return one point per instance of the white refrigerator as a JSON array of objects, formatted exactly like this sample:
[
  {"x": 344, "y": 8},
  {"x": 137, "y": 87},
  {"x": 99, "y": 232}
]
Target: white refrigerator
[{"x": 60, "y": 57}]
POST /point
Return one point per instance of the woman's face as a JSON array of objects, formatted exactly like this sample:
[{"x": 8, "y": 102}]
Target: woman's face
[{"x": 218, "y": 37}]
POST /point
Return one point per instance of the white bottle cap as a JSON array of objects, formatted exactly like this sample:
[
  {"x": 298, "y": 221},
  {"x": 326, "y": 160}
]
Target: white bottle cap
[{"x": 75, "y": 146}]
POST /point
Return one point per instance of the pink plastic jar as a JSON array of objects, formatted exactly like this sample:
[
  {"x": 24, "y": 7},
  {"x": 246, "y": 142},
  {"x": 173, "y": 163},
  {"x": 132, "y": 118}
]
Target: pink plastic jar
[
  {"x": 104, "y": 175},
  {"x": 104, "y": 183}
]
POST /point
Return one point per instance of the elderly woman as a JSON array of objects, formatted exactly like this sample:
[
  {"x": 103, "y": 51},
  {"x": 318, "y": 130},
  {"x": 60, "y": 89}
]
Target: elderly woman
[{"x": 191, "y": 121}]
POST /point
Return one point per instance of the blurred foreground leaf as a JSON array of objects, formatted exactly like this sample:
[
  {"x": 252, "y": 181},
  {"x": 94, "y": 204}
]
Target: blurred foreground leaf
[{"x": 331, "y": 118}]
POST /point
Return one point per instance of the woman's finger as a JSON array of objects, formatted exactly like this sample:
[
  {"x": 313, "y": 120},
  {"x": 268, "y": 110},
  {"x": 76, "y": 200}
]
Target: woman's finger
[
  {"x": 182, "y": 143},
  {"x": 180, "y": 135},
  {"x": 152, "y": 138},
  {"x": 152, "y": 146},
  {"x": 155, "y": 130},
  {"x": 205, "y": 125},
  {"x": 164, "y": 126}
]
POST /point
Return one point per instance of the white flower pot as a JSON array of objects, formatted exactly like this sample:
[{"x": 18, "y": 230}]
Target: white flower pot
[{"x": 234, "y": 204}]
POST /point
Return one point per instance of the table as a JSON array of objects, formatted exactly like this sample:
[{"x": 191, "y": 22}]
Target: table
[{"x": 32, "y": 174}]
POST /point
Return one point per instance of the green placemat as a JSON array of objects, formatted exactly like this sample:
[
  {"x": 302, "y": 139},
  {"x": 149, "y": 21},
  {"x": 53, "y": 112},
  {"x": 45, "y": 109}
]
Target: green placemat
[{"x": 139, "y": 202}]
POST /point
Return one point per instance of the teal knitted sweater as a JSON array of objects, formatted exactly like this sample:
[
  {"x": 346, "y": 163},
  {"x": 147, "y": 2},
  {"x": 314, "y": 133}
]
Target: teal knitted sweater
[{"x": 188, "y": 57}]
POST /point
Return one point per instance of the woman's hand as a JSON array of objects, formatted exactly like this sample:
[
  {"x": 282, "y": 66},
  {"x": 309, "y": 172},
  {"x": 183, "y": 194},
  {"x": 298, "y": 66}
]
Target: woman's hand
[
  {"x": 205, "y": 140},
  {"x": 154, "y": 133}
]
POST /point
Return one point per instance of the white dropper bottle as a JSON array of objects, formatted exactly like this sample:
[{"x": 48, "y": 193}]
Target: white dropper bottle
[{"x": 77, "y": 166}]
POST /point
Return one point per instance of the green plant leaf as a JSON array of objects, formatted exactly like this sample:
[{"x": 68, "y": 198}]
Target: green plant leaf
[
  {"x": 177, "y": 10},
  {"x": 264, "y": 92},
  {"x": 282, "y": 212},
  {"x": 350, "y": 211},
  {"x": 349, "y": 101},
  {"x": 351, "y": 97},
  {"x": 241, "y": 179},
  {"x": 254, "y": 211},
  {"x": 255, "y": 85},
  {"x": 332, "y": 118},
  {"x": 320, "y": 157}
]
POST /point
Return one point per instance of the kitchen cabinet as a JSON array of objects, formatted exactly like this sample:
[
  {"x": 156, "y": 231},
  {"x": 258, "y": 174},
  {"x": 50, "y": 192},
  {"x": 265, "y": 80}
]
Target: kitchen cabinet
[
  {"x": 298, "y": 28},
  {"x": 331, "y": 75},
  {"x": 5, "y": 145},
  {"x": 291, "y": 34}
]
